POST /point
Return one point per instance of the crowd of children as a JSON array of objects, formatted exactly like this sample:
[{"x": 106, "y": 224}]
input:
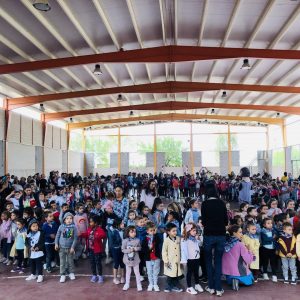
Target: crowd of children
[{"x": 46, "y": 228}]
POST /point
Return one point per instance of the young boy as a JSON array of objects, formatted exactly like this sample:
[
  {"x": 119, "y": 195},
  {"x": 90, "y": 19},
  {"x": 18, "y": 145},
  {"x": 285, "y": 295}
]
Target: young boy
[
  {"x": 97, "y": 209},
  {"x": 171, "y": 258},
  {"x": 50, "y": 229},
  {"x": 287, "y": 252},
  {"x": 65, "y": 241},
  {"x": 141, "y": 235},
  {"x": 63, "y": 209},
  {"x": 151, "y": 251}
]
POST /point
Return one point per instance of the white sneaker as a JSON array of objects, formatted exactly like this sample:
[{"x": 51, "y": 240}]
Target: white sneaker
[
  {"x": 9, "y": 263},
  {"x": 220, "y": 293},
  {"x": 116, "y": 281},
  {"x": 15, "y": 262},
  {"x": 125, "y": 287},
  {"x": 199, "y": 288},
  {"x": 139, "y": 288},
  {"x": 274, "y": 278},
  {"x": 156, "y": 288},
  {"x": 142, "y": 278},
  {"x": 191, "y": 291},
  {"x": 2, "y": 259},
  {"x": 72, "y": 276},
  {"x": 62, "y": 279},
  {"x": 150, "y": 288},
  {"x": 53, "y": 264},
  {"x": 44, "y": 266},
  {"x": 5, "y": 261},
  {"x": 83, "y": 255},
  {"x": 211, "y": 291},
  {"x": 31, "y": 277},
  {"x": 122, "y": 280},
  {"x": 40, "y": 278},
  {"x": 266, "y": 276}
]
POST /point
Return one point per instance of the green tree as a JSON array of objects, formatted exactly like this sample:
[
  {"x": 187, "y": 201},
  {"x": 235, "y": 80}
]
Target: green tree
[
  {"x": 222, "y": 142},
  {"x": 101, "y": 148},
  {"x": 170, "y": 146}
]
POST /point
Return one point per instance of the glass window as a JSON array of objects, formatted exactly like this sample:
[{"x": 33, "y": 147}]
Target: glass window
[
  {"x": 141, "y": 144},
  {"x": 211, "y": 142},
  {"x": 138, "y": 130},
  {"x": 173, "y": 146},
  {"x": 209, "y": 128},
  {"x": 292, "y": 133},
  {"x": 173, "y": 128},
  {"x": 102, "y": 146},
  {"x": 76, "y": 139},
  {"x": 137, "y": 160},
  {"x": 109, "y": 131},
  {"x": 275, "y": 137},
  {"x": 210, "y": 159}
]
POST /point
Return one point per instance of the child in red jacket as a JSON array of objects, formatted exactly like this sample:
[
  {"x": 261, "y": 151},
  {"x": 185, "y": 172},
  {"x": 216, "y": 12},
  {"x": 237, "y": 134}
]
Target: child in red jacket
[{"x": 94, "y": 245}]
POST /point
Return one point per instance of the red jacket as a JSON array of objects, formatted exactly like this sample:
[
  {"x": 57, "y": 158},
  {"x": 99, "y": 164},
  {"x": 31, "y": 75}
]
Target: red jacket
[{"x": 99, "y": 235}]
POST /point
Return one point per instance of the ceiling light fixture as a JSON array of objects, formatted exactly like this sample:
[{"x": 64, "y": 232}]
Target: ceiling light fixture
[
  {"x": 120, "y": 98},
  {"x": 71, "y": 120},
  {"x": 97, "y": 71},
  {"x": 246, "y": 64},
  {"x": 131, "y": 113},
  {"x": 212, "y": 111},
  {"x": 224, "y": 94},
  {"x": 42, "y": 108},
  {"x": 278, "y": 115},
  {"x": 41, "y": 5}
]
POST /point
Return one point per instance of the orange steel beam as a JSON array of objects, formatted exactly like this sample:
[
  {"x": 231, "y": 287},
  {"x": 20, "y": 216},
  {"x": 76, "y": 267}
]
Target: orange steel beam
[
  {"x": 176, "y": 117},
  {"x": 164, "y": 54},
  {"x": 170, "y": 87},
  {"x": 171, "y": 105}
]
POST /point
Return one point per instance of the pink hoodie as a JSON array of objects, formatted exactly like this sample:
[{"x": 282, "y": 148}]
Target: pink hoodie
[{"x": 5, "y": 230}]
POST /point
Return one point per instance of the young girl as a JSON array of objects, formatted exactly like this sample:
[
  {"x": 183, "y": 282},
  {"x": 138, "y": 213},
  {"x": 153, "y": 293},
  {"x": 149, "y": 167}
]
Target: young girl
[
  {"x": 81, "y": 223},
  {"x": 5, "y": 236},
  {"x": 243, "y": 210},
  {"x": 251, "y": 241},
  {"x": 19, "y": 248},
  {"x": 158, "y": 218},
  {"x": 94, "y": 244},
  {"x": 268, "y": 249},
  {"x": 131, "y": 217},
  {"x": 171, "y": 259},
  {"x": 236, "y": 259},
  {"x": 130, "y": 247},
  {"x": 273, "y": 208},
  {"x": 190, "y": 255},
  {"x": 35, "y": 242},
  {"x": 116, "y": 234},
  {"x": 152, "y": 254},
  {"x": 192, "y": 214}
]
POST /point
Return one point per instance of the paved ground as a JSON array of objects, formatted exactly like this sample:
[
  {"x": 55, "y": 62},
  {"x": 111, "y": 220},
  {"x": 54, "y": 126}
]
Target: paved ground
[{"x": 14, "y": 287}]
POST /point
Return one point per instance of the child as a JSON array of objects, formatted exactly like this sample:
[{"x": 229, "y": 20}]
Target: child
[
  {"x": 133, "y": 205},
  {"x": 35, "y": 243},
  {"x": 81, "y": 223},
  {"x": 251, "y": 241},
  {"x": 5, "y": 236},
  {"x": 97, "y": 209},
  {"x": 171, "y": 259},
  {"x": 190, "y": 255},
  {"x": 268, "y": 249},
  {"x": 63, "y": 209},
  {"x": 152, "y": 254},
  {"x": 243, "y": 210},
  {"x": 19, "y": 249},
  {"x": 158, "y": 218},
  {"x": 236, "y": 259},
  {"x": 146, "y": 212},
  {"x": 287, "y": 252},
  {"x": 131, "y": 218},
  {"x": 94, "y": 244},
  {"x": 141, "y": 235},
  {"x": 130, "y": 247},
  {"x": 273, "y": 208},
  {"x": 116, "y": 234},
  {"x": 65, "y": 241},
  {"x": 192, "y": 214},
  {"x": 171, "y": 218},
  {"x": 50, "y": 229},
  {"x": 203, "y": 276}
]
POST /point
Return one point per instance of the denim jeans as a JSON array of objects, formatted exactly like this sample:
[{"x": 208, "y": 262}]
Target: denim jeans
[
  {"x": 153, "y": 268},
  {"x": 214, "y": 244},
  {"x": 289, "y": 264},
  {"x": 66, "y": 261},
  {"x": 50, "y": 254}
]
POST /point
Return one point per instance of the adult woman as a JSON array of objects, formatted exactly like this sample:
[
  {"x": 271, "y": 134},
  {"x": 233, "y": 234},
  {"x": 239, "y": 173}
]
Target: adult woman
[
  {"x": 236, "y": 259},
  {"x": 149, "y": 193},
  {"x": 120, "y": 204},
  {"x": 214, "y": 221}
]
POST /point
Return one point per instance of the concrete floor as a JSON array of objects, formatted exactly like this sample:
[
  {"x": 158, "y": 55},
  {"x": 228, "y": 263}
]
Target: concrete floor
[{"x": 14, "y": 287}]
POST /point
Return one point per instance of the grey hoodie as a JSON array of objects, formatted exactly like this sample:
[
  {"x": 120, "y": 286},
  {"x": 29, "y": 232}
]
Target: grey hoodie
[{"x": 67, "y": 235}]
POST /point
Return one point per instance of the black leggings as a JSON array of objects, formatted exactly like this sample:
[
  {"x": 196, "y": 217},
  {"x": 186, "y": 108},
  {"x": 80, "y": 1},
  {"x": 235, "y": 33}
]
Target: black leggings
[
  {"x": 96, "y": 263},
  {"x": 266, "y": 256},
  {"x": 20, "y": 257},
  {"x": 192, "y": 269},
  {"x": 36, "y": 266}
]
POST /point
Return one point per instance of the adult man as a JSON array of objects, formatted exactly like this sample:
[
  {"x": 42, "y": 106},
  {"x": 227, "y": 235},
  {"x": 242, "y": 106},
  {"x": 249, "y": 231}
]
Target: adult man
[{"x": 214, "y": 220}]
